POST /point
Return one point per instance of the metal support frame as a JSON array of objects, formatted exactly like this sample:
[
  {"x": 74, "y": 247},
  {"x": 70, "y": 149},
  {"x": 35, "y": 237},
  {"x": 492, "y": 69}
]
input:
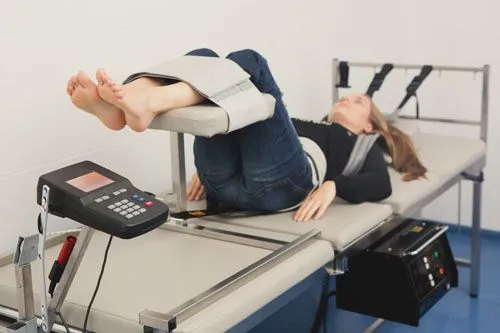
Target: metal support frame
[
  {"x": 167, "y": 322},
  {"x": 474, "y": 262},
  {"x": 153, "y": 321},
  {"x": 178, "y": 162},
  {"x": 27, "y": 252}
]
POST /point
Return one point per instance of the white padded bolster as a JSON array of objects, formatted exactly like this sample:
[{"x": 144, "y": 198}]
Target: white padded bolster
[
  {"x": 200, "y": 120},
  {"x": 221, "y": 81}
]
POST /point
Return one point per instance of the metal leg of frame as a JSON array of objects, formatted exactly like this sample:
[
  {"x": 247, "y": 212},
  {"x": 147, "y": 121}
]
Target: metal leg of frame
[
  {"x": 475, "y": 241},
  {"x": 178, "y": 170},
  {"x": 376, "y": 324},
  {"x": 335, "y": 90}
]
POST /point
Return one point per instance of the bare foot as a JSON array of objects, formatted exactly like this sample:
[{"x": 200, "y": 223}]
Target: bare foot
[
  {"x": 139, "y": 99},
  {"x": 84, "y": 95}
]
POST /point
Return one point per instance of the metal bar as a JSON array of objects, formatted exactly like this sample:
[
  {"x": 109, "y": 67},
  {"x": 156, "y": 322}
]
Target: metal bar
[
  {"x": 178, "y": 170},
  {"x": 441, "y": 231},
  {"x": 57, "y": 328},
  {"x": 222, "y": 236},
  {"x": 443, "y": 120},
  {"x": 459, "y": 207},
  {"x": 169, "y": 321},
  {"x": 354, "y": 241},
  {"x": 484, "y": 102},
  {"x": 214, "y": 222},
  {"x": 475, "y": 241},
  {"x": 69, "y": 273},
  {"x": 376, "y": 324},
  {"x": 428, "y": 199},
  {"x": 462, "y": 262},
  {"x": 25, "y": 297},
  {"x": 418, "y": 67},
  {"x": 335, "y": 73}
]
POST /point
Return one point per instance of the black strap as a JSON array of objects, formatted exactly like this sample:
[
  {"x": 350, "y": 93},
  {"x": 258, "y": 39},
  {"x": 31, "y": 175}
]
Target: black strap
[
  {"x": 343, "y": 75},
  {"x": 378, "y": 79},
  {"x": 411, "y": 90}
]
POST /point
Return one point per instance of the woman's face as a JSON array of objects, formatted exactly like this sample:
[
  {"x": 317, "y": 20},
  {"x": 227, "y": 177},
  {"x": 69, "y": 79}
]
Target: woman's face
[{"x": 353, "y": 112}]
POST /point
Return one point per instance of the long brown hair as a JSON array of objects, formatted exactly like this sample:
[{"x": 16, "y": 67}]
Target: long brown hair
[{"x": 399, "y": 145}]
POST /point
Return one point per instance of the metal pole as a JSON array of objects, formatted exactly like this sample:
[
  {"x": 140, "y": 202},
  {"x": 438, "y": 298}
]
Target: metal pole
[
  {"x": 475, "y": 265},
  {"x": 25, "y": 298},
  {"x": 484, "y": 102},
  {"x": 376, "y": 324},
  {"x": 476, "y": 241},
  {"x": 418, "y": 67},
  {"x": 178, "y": 162},
  {"x": 335, "y": 73}
]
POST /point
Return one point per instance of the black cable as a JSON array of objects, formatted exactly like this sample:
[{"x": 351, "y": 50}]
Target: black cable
[
  {"x": 64, "y": 322},
  {"x": 98, "y": 285},
  {"x": 321, "y": 312}
]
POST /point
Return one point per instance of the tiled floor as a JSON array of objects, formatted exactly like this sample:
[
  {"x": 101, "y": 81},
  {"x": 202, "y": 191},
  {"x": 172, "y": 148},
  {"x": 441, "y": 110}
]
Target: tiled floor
[{"x": 456, "y": 312}]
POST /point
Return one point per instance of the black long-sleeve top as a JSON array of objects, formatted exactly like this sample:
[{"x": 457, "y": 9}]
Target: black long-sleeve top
[{"x": 372, "y": 183}]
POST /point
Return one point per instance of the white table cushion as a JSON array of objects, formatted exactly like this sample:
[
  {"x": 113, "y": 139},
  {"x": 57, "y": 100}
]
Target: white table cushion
[
  {"x": 445, "y": 157},
  {"x": 407, "y": 196},
  {"x": 450, "y": 155},
  {"x": 341, "y": 224}
]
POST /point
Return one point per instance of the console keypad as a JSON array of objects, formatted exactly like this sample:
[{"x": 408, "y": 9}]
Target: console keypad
[{"x": 128, "y": 206}]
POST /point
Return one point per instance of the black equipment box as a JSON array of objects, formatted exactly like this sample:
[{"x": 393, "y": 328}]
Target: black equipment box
[{"x": 401, "y": 276}]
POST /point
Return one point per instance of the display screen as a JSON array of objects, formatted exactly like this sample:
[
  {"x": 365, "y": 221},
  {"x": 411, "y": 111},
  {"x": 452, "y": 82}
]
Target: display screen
[{"x": 90, "y": 181}]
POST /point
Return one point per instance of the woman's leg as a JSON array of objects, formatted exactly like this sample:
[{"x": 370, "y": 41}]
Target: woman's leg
[
  {"x": 218, "y": 160},
  {"x": 276, "y": 172},
  {"x": 144, "y": 98}
]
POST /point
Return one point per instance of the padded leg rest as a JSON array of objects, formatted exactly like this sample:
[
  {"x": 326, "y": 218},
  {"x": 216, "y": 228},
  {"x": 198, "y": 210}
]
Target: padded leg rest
[
  {"x": 222, "y": 81},
  {"x": 201, "y": 120}
]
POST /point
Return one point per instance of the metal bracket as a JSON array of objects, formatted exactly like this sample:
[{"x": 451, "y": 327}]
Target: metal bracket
[
  {"x": 23, "y": 327},
  {"x": 41, "y": 255},
  {"x": 26, "y": 250},
  {"x": 475, "y": 178},
  {"x": 338, "y": 266}
]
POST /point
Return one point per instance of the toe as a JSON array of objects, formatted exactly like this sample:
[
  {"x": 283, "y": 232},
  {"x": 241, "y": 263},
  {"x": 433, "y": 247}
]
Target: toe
[
  {"x": 71, "y": 86},
  {"x": 73, "y": 80},
  {"x": 100, "y": 77},
  {"x": 110, "y": 83},
  {"x": 84, "y": 80}
]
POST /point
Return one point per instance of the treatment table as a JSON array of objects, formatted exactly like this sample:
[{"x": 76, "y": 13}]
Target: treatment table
[{"x": 245, "y": 273}]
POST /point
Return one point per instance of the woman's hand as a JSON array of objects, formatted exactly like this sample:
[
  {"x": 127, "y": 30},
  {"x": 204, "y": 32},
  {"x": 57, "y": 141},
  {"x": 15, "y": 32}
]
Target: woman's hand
[
  {"x": 317, "y": 202},
  {"x": 196, "y": 189}
]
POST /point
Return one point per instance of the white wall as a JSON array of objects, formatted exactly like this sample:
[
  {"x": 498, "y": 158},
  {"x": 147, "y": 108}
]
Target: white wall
[{"x": 43, "y": 43}]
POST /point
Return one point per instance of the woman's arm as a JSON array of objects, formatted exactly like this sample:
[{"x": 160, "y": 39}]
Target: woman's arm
[{"x": 372, "y": 183}]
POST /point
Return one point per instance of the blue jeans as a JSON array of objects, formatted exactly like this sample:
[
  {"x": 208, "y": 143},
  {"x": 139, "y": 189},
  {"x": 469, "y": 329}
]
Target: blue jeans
[{"x": 261, "y": 167}]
